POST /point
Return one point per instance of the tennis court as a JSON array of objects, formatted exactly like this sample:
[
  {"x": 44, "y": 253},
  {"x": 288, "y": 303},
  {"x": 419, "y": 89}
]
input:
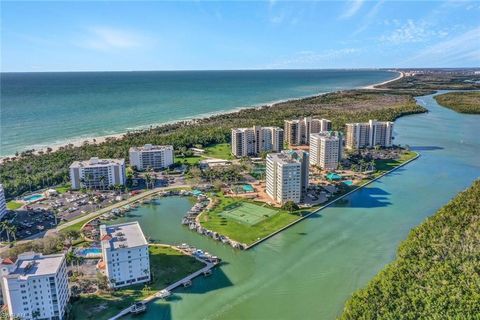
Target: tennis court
[{"x": 247, "y": 213}]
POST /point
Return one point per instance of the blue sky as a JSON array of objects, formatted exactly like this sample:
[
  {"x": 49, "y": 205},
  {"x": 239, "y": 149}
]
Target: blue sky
[{"x": 82, "y": 36}]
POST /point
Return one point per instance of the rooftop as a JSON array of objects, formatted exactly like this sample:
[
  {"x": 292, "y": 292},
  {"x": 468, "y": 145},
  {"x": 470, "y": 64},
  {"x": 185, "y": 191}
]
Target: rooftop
[
  {"x": 35, "y": 264},
  {"x": 252, "y": 128},
  {"x": 124, "y": 235},
  {"x": 96, "y": 162},
  {"x": 287, "y": 156},
  {"x": 151, "y": 147}
]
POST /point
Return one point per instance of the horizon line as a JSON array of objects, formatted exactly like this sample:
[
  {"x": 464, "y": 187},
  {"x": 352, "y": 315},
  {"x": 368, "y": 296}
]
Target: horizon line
[{"x": 393, "y": 69}]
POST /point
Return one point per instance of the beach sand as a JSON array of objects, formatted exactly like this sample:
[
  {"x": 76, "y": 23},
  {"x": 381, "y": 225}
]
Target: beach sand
[{"x": 102, "y": 139}]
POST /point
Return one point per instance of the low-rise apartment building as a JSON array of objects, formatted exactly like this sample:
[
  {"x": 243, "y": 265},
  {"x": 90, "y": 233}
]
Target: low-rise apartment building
[
  {"x": 298, "y": 131},
  {"x": 326, "y": 149},
  {"x": 151, "y": 156},
  {"x": 287, "y": 176},
  {"x": 125, "y": 254},
  {"x": 97, "y": 173},
  {"x": 35, "y": 286},
  {"x": 369, "y": 134},
  {"x": 253, "y": 141}
]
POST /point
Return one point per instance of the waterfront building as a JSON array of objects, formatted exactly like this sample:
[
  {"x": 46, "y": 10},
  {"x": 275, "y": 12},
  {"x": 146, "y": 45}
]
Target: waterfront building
[
  {"x": 326, "y": 149},
  {"x": 3, "y": 202},
  {"x": 287, "y": 176},
  {"x": 151, "y": 156},
  {"x": 297, "y": 132},
  {"x": 252, "y": 141},
  {"x": 369, "y": 134},
  {"x": 97, "y": 173},
  {"x": 35, "y": 286},
  {"x": 125, "y": 254}
]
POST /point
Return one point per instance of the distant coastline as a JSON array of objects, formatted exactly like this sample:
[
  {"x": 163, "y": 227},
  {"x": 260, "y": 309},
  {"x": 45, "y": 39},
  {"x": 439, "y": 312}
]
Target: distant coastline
[
  {"x": 374, "y": 86},
  {"x": 77, "y": 142}
]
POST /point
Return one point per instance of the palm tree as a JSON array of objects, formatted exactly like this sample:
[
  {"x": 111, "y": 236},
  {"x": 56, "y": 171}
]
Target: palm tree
[
  {"x": 89, "y": 179},
  {"x": 102, "y": 181},
  {"x": 148, "y": 179},
  {"x": 7, "y": 227}
]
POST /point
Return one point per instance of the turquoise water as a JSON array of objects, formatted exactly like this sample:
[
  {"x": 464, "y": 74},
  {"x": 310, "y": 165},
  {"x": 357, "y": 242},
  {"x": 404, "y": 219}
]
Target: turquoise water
[
  {"x": 46, "y": 109},
  {"x": 348, "y": 182},
  {"x": 89, "y": 251},
  {"x": 309, "y": 270},
  {"x": 32, "y": 197},
  {"x": 248, "y": 188},
  {"x": 333, "y": 176}
]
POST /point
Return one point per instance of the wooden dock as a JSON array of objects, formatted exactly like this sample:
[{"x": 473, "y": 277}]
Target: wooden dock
[{"x": 160, "y": 294}]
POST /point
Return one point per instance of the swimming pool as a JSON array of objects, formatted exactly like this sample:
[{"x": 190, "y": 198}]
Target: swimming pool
[
  {"x": 33, "y": 198},
  {"x": 247, "y": 188},
  {"x": 89, "y": 252},
  {"x": 348, "y": 182}
]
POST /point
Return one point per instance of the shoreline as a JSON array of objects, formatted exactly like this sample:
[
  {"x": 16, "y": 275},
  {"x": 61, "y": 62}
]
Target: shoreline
[
  {"x": 373, "y": 86},
  {"x": 78, "y": 142}
]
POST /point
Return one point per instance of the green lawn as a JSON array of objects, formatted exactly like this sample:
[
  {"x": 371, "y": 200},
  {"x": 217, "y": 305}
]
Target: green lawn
[
  {"x": 216, "y": 220},
  {"x": 13, "y": 205},
  {"x": 220, "y": 151},
  {"x": 385, "y": 165},
  {"x": 63, "y": 189},
  {"x": 248, "y": 213},
  {"x": 167, "y": 266},
  {"x": 188, "y": 160}
]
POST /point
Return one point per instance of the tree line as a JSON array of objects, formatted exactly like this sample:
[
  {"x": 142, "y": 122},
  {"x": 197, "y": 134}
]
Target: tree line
[
  {"x": 30, "y": 171},
  {"x": 436, "y": 274}
]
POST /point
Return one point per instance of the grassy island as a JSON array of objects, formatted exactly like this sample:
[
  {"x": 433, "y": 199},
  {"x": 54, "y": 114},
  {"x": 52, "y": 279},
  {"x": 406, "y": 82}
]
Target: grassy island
[
  {"x": 436, "y": 272},
  {"x": 31, "y": 171},
  {"x": 463, "y": 102},
  {"x": 167, "y": 266}
]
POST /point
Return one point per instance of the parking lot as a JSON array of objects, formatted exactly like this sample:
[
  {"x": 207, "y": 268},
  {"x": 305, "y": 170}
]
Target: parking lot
[{"x": 45, "y": 214}]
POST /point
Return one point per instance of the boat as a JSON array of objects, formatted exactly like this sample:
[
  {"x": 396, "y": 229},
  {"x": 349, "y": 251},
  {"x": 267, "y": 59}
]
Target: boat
[
  {"x": 187, "y": 283},
  {"x": 138, "y": 307},
  {"x": 207, "y": 273}
]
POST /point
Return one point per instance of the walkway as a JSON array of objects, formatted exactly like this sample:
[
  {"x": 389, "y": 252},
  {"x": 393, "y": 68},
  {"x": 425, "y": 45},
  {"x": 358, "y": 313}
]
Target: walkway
[{"x": 160, "y": 294}]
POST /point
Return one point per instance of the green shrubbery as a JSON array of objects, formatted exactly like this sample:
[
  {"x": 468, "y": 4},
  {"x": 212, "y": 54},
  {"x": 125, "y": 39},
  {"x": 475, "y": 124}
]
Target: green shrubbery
[
  {"x": 30, "y": 172},
  {"x": 437, "y": 271},
  {"x": 463, "y": 102}
]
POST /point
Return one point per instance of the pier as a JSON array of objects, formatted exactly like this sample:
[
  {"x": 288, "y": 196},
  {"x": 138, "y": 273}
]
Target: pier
[{"x": 164, "y": 293}]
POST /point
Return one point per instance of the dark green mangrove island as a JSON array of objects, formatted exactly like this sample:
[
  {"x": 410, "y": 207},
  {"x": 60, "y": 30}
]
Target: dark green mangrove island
[
  {"x": 436, "y": 274},
  {"x": 463, "y": 102}
]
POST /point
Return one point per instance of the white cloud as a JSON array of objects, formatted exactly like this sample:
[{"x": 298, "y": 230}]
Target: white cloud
[
  {"x": 352, "y": 8},
  {"x": 460, "y": 50},
  {"x": 107, "y": 38},
  {"x": 411, "y": 32},
  {"x": 312, "y": 59},
  {"x": 369, "y": 17}
]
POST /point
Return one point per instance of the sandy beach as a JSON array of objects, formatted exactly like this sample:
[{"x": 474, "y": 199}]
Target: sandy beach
[
  {"x": 374, "y": 86},
  {"x": 101, "y": 139}
]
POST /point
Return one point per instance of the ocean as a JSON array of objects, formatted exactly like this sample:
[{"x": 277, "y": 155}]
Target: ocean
[{"x": 38, "y": 110}]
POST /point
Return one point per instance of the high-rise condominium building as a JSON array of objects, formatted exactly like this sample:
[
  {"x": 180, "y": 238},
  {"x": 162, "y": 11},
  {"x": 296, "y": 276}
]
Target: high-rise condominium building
[
  {"x": 97, "y": 173},
  {"x": 35, "y": 286},
  {"x": 326, "y": 149},
  {"x": 297, "y": 132},
  {"x": 253, "y": 141},
  {"x": 125, "y": 254},
  {"x": 151, "y": 156},
  {"x": 3, "y": 203},
  {"x": 369, "y": 134},
  {"x": 287, "y": 176}
]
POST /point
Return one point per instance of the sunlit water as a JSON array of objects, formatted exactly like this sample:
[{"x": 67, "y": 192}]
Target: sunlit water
[{"x": 47, "y": 109}]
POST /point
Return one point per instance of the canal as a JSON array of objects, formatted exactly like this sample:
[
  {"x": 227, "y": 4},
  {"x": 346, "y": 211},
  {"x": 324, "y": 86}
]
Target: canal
[{"x": 308, "y": 271}]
